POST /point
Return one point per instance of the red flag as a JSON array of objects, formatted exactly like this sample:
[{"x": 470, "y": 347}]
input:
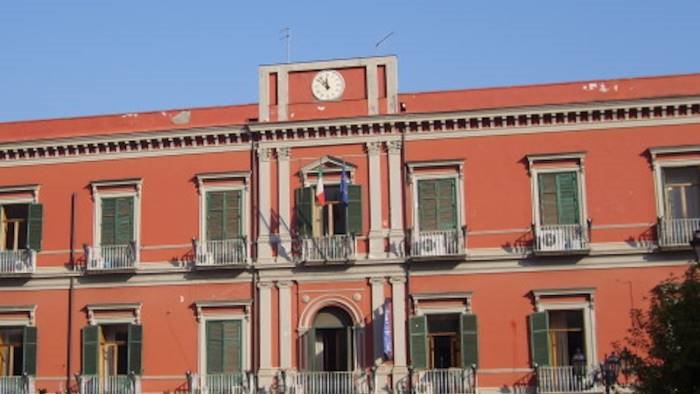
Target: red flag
[{"x": 320, "y": 194}]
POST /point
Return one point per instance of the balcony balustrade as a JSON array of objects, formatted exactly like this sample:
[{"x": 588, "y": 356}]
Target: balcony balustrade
[
  {"x": 331, "y": 248},
  {"x": 17, "y": 384},
  {"x": 438, "y": 243},
  {"x": 111, "y": 257},
  {"x": 231, "y": 383},
  {"x": 561, "y": 238},
  {"x": 340, "y": 382},
  {"x": 676, "y": 233},
  {"x": 110, "y": 384},
  {"x": 443, "y": 381},
  {"x": 568, "y": 379},
  {"x": 227, "y": 252},
  {"x": 21, "y": 261}
]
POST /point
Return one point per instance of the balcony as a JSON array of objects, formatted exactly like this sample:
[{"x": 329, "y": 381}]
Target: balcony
[
  {"x": 17, "y": 262},
  {"x": 328, "y": 249},
  {"x": 558, "y": 239},
  {"x": 222, "y": 253},
  {"x": 106, "y": 258},
  {"x": 341, "y": 382},
  {"x": 676, "y": 233},
  {"x": 112, "y": 384},
  {"x": 233, "y": 383},
  {"x": 17, "y": 384},
  {"x": 443, "y": 381},
  {"x": 568, "y": 380},
  {"x": 438, "y": 244}
]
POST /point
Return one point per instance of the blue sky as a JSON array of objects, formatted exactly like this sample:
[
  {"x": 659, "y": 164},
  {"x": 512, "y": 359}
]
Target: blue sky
[{"x": 70, "y": 58}]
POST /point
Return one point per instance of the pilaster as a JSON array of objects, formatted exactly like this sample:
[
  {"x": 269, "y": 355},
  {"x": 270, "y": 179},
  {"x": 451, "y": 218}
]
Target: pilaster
[
  {"x": 398, "y": 302},
  {"x": 265, "y": 345},
  {"x": 284, "y": 248},
  {"x": 264, "y": 211},
  {"x": 285, "y": 323},
  {"x": 396, "y": 234},
  {"x": 376, "y": 235}
]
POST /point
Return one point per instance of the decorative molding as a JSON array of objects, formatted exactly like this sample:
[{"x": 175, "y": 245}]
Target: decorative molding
[
  {"x": 574, "y": 291},
  {"x": 264, "y": 154},
  {"x": 672, "y": 150},
  {"x": 282, "y": 284},
  {"x": 283, "y": 153},
  {"x": 136, "y": 183},
  {"x": 32, "y": 189},
  {"x": 466, "y": 296},
  {"x": 373, "y": 147},
  {"x": 216, "y": 176},
  {"x": 29, "y": 310},
  {"x": 134, "y": 308},
  {"x": 397, "y": 280},
  {"x": 394, "y": 147},
  {"x": 200, "y": 306}
]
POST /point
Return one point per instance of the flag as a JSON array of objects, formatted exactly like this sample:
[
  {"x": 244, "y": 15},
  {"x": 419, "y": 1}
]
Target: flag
[
  {"x": 320, "y": 193},
  {"x": 387, "y": 331},
  {"x": 344, "y": 198}
]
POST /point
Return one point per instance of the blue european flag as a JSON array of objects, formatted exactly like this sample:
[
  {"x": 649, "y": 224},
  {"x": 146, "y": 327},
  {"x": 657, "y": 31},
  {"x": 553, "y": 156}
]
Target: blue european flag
[{"x": 344, "y": 198}]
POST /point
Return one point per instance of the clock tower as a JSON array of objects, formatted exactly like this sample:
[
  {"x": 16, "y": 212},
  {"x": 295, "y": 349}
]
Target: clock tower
[{"x": 328, "y": 89}]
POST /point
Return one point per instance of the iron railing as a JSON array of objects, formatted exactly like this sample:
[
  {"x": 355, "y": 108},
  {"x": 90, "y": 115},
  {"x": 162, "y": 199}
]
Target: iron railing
[
  {"x": 329, "y": 248},
  {"x": 22, "y": 261},
  {"x": 229, "y": 383},
  {"x": 221, "y": 252},
  {"x": 677, "y": 232},
  {"x": 109, "y": 384},
  {"x": 443, "y": 381},
  {"x": 23, "y": 384},
  {"x": 568, "y": 379},
  {"x": 561, "y": 238},
  {"x": 337, "y": 382},
  {"x": 437, "y": 243},
  {"x": 111, "y": 257}
]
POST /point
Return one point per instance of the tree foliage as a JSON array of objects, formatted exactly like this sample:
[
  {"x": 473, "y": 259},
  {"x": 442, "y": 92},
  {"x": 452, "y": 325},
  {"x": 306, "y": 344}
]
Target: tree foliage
[{"x": 663, "y": 348}]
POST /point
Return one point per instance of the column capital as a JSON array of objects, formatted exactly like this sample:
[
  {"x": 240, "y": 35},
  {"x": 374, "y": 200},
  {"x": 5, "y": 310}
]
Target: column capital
[
  {"x": 283, "y": 153},
  {"x": 265, "y": 285},
  {"x": 376, "y": 281},
  {"x": 264, "y": 154},
  {"x": 284, "y": 284},
  {"x": 394, "y": 147},
  {"x": 397, "y": 280},
  {"x": 373, "y": 147}
]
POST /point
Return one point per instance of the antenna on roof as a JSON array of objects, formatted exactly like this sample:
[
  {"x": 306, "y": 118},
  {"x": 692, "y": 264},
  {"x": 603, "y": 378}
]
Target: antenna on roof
[
  {"x": 380, "y": 42},
  {"x": 287, "y": 37}
]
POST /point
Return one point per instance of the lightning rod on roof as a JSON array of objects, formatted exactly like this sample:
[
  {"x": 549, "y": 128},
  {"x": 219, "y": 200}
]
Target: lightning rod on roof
[
  {"x": 380, "y": 42},
  {"x": 287, "y": 37}
]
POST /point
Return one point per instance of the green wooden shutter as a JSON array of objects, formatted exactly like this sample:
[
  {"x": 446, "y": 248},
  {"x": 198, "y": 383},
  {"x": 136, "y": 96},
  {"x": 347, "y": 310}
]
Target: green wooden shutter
[
  {"x": 215, "y": 209},
  {"x": 109, "y": 209},
  {"x": 309, "y": 340},
  {"x": 469, "y": 340},
  {"x": 548, "y": 199},
  {"x": 35, "y": 218},
  {"x": 446, "y": 204},
  {"x": 29, "y": 350},
  {"x": 427, "y": 205},
  {"x": 304, "y": 200},
  {"x": 232, "y": 214},
  {"x": 418, "y": 333},
  {"x": 567, "y": 198},
  {"x": 354, "y": 209},
  {"x": 124, "y": 220},
  {"x": 232, "y": 346},
  {"x": 539, "y": 339},
  {"x": 134, "y": 348},
  {"x": 215, "y": 341},
  {"x": 91, "y": 341}
]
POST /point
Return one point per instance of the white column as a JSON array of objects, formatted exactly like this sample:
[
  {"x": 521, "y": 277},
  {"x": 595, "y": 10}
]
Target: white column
[
  {"x": 266, "y": 372},
  {"x": 377, "y": 317},
  {"x": 398, "y": 302},
  {"x": 376, "y": 236},
  {"x": 284, "y": 248},
  {"x": 285, "y": 322},
  {"x": 264, "y": 246},
  {"x": 396, "y": 234}
]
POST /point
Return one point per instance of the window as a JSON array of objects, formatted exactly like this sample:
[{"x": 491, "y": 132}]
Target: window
[
  {"x": 21, "y": 226},
  {"x": 437, "y": 204},
  {"x": 332, "y": 218},
  {"x": 559, "y": 198},
  {"x": 117, "y": 225},
  {"x": 17, "y": 351},
  {"x": 444, "y": 340},
  {"x": 224, "y": 346},
  {"x": 681, "y": 191},
  {"x": 112, "y": 349},
  {"x": 223, "y": 214}
]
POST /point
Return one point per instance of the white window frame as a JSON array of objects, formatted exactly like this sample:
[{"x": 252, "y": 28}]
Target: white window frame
[
  {"x": 423, "y": 310},
  {"x": 131, "y": 314},
  {"x": 586, "y": 307},
  {"x": 429, "y": 174},
  {"x": 28, "y": 318},
  {"x": 4, "y": 200},
  {"x": 203, "y": 318},
  {"x": 659, "y": 165},
  {"x": 100, "y": 191},
  {"x": 578, "y": 169}
]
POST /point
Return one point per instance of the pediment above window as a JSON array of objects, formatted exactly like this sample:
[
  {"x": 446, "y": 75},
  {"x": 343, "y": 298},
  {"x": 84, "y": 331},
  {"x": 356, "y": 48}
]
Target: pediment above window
[{"x": 329, "y": 166}]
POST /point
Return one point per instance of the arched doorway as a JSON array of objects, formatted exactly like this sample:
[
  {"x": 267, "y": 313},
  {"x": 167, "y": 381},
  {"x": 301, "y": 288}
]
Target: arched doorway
[{"x": 330, "y": 341}]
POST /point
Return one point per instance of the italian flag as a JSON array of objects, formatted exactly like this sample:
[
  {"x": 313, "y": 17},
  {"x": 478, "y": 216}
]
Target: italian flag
[{"x": 320, "y": 195}]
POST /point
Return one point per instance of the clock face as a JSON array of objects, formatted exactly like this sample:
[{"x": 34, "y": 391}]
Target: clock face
[{"x": 328, "y": 85}]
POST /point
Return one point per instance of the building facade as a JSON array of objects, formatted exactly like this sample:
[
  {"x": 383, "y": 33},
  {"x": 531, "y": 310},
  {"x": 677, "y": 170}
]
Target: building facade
[{"x": 339, "y": 236}]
